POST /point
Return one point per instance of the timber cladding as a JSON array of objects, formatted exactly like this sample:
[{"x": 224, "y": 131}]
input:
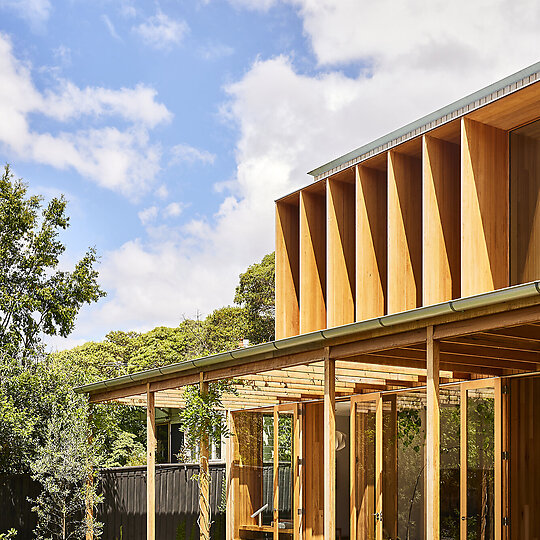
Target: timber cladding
[{"x": 432, "y": 219}]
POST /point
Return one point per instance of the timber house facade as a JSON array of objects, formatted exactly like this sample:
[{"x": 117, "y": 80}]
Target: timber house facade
[{"x": 401, "y": 397}]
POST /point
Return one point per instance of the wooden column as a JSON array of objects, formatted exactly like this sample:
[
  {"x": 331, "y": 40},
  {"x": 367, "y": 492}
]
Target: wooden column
[
  {"x": 275, "y": 501},
  {"x": 329, "y": 448},
  {"x": 204, "y": 476},
  {"x": 379, "y": 459},
  {"x": 229, "y": 451},
  {"x": 151, "y": 444},
  {"x": 432, "y": 439},
  {"x": 463, "y": 464},
  {"x": 353, "y": 466},
  {"x": 297, "y": 475}
]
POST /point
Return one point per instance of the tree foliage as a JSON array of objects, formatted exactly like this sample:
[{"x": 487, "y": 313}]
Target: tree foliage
[
  {"x": 201, "y": 417},
  {"x": 65, "y": 468},
  {"x": 35, "y": 296},
  {"x": 44, "y": 425},
  {"x": 256, "y": 294}
]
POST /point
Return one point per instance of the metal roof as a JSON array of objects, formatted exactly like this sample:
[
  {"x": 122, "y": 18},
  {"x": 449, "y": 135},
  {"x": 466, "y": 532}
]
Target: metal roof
[{"x": 478, "y": 99}]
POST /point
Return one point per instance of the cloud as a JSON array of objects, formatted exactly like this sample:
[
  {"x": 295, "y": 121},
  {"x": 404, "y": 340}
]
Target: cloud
[
  {"x": 162, "y": 32},
  {"x": 36, "y": 12},
  {"x": 174, "y": 209},
  {"x": 184, "y": 153},
  {"x": 121, "y": 159},
  {"x": 162, "y": 192},
  {"x": 148, "y": 215},
  {"x": 290, "y": 122},
  {"x": 110, "y": 27},
  {"x": 138, "y": 105}
]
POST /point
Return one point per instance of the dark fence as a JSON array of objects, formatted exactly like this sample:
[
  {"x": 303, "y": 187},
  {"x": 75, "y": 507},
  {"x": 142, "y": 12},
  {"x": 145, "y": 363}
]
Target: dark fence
[
  {"x": 123, "y": 511},
  {"x": 15, "y": 510}
]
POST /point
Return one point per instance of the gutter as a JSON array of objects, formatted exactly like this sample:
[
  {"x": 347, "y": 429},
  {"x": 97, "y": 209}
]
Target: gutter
[{"x": 314, "y": 340}]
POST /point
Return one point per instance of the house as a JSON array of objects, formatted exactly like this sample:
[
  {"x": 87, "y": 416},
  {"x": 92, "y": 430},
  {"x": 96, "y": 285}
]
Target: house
[{"x": 402, "y": 393}]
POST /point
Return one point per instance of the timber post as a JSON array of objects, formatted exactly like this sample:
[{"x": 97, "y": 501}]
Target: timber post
[
  {"x": 151, "y": 444},
  {"x": 329, "y": 446},
  {"x": 204, "y": 475},
  {"x": 433, "y": 438}
]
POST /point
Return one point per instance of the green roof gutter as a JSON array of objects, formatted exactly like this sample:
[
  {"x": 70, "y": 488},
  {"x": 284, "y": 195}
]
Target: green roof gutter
[
  {"x": 463, "y": 106},
  {"x": 315, "y": 340}
]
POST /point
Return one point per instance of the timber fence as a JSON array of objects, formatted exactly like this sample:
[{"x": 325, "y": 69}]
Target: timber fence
[{"x": 123, "y": 510}]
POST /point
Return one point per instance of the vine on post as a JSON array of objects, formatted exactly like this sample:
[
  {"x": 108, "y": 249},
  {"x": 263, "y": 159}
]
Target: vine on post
[{"x": 204, "y": 423}]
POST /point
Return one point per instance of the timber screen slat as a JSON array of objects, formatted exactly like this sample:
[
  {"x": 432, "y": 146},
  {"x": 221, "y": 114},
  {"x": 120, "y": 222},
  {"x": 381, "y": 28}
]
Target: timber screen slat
[
  {"x": 341, "y": 252},
  {"x": 404, "y": 232},
  {"x": 371, "y": 242},
  {"x": 441, "y": 225},
  {"x": 287, "y": 270},
  {"x": 312, "y": 261},
  {"x": 484, "y": 208}
]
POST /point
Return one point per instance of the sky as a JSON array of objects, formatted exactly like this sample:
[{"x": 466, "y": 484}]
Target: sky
[{"x": 172, "y": 126}]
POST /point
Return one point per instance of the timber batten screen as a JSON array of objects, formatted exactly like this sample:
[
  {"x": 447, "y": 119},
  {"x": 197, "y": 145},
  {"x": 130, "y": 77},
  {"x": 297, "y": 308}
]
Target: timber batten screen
[{"x": 432, "y": 219}]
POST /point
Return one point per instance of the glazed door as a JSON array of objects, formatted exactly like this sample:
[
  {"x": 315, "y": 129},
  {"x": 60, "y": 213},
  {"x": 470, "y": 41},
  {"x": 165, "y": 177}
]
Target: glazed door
[
  {"x": 287, "y": 473},
  {"x": 481, "y": 460},
  {"x": 374, "y": 470},
  {"x": 366, "y": 467}
]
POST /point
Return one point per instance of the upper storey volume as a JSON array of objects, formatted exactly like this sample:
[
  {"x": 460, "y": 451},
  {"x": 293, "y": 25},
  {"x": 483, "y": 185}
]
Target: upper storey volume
[{"x": 444, "y": 208}]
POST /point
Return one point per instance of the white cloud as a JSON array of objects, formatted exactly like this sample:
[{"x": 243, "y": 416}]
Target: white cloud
[
  {"x": 161, "y": 32},
  {"x": 173, "y": 209},
  {"x": 127, "y": 9},
  {"x": 121, "y": 159},
  {"x": 136, "y": 105},
  {"x": 148, "y": 215},
  {"x": 162, "y": 192},
  {"x": 290, "y": 123},
  {"x": 34, "y": 11},
  {"x": 431, "y": 35},
  {"x": 184, "y": 153},
  {"x": 110, "y": 27}
]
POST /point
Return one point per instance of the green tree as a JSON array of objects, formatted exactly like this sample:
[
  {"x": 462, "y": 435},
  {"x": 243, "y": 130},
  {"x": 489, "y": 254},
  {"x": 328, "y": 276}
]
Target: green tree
[
  {"x": 35, "y": 296},
  {"x": 29, "y": 395},
  {"x": 65, "y": 468},
  {"x": 224, "y": 329},
  {"x": 256, "y": 294}
]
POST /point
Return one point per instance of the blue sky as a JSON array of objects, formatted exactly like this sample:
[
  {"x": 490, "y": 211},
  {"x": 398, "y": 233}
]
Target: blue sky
[{"x": 172, "y": 126}]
